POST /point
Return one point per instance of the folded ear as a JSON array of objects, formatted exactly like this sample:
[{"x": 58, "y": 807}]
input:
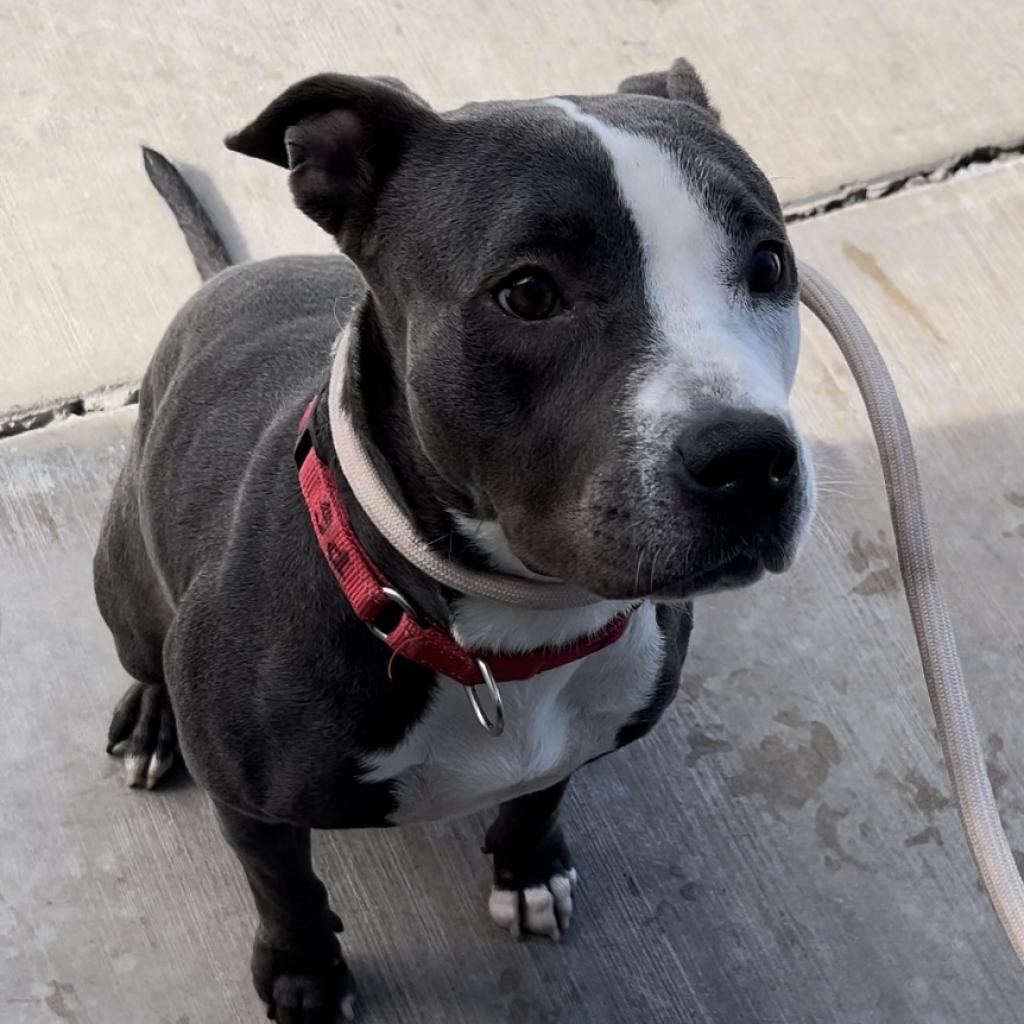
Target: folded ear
[
  {"x": 680, "y": 82},
  {"x": 341, "y": 136}
]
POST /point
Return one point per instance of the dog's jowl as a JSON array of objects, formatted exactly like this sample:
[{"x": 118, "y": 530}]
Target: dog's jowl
[{"x": 569, "y": 335}]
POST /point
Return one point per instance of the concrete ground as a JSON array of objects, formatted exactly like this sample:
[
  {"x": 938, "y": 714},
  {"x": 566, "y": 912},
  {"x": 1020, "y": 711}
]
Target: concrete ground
[{"x": 783, "y": 847}]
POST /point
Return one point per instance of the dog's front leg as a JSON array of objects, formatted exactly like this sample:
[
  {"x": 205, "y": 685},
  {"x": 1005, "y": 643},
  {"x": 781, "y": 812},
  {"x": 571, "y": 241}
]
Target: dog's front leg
[
  {"x": 297, "y": 965},
  {"x": 534, "y": 879}
]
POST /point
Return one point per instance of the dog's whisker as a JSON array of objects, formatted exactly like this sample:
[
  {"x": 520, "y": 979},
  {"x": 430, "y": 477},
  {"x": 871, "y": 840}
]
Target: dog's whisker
[
  {"x": 654, "y": 564},
  {"x": 830, "y": 491},
  {"x": 448, "y": 536},
  {"x": 827, "y": 531},
  {"x": 639, "y": 562}
]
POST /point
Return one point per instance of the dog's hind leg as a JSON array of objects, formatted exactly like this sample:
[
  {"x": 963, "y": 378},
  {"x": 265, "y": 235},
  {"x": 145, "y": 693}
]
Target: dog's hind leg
[
  {"x": 297, "y": 966},
  {"x": 131, "y": 600},
  {"x": 534, "y": 879}
]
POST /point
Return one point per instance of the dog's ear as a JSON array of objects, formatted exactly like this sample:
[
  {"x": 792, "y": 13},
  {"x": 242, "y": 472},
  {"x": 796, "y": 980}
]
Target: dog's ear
[
  {"x": 680, "y": 82},
  {"x": 341, "y": 136}
]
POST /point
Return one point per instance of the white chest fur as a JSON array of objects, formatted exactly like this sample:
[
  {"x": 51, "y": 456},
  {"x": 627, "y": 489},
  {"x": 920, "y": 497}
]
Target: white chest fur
[{"x": 449, "y": 766}]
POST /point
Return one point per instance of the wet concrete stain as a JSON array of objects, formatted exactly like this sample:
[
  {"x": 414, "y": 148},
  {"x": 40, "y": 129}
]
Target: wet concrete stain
[
  {"x": 999, "y": 778},
  {"x": 926, "y": 797},
  {"x": 922, "y": 794},
  {"x": 931, "y": 834},
  {"x": 867, "y": 831},
  {"x": 689, "y": 888},
  {"x": 702, "y": 744},
  {"x": 57, "y": 1003},
  {"x": 868, "y": 264},
  {"x": 1016, "y": 499},
  {"x": 690, "y": 891},
  {"x": 693, "y": 684},
  {"x": 877, "y": 560},
  {"x": 826, "y": 828},
  {"x": 787, "y": 769},
  {"x": 697, "y": 681},
  {"x": 663, "y": 914}
]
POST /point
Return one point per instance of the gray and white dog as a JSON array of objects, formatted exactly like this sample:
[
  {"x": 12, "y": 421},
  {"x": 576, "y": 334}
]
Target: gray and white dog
[{"x": 577, "y": 332}]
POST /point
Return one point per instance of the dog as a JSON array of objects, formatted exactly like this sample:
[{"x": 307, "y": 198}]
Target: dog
[{"x": 568, "y": 331}]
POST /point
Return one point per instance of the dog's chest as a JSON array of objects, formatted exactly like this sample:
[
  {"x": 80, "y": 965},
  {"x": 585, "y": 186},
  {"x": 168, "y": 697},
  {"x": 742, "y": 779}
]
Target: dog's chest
[{"x": 449, "y": 766}]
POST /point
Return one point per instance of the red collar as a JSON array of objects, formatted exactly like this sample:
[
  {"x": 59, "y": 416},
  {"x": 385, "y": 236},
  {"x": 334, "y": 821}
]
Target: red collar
[{"x": 370, "y": 595}]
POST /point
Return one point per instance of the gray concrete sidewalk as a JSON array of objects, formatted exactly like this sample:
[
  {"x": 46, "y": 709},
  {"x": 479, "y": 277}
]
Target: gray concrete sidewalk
[{"x": 783, "y": 848}]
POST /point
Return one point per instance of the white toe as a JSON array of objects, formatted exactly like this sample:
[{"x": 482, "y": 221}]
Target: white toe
[
  {"x": 504, "y": 910},
  {"x": 542, "y": 910},
  {"x": 157, "y": 768},
  {"x": 135, "y": 769},
  {"x": 561, "y": 890},
  {"x": 348, "y": 1007},
  {"x": 539, "y": 906}
]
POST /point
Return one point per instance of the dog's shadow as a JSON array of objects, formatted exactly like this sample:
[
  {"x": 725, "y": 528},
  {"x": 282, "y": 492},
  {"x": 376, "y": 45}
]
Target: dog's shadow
[{"x": 220, "y": 212}]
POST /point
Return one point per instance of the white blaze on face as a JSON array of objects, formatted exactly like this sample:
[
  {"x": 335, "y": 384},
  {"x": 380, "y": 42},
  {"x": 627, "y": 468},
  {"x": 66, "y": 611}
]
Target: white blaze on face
[{"x": 713, "y": 346}]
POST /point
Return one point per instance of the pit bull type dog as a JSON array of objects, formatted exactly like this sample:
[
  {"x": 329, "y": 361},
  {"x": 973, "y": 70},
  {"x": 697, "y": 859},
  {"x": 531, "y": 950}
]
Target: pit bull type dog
[{"x": 569, "y": 332}]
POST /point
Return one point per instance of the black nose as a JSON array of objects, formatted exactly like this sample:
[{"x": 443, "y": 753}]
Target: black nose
[{"x": 741, "y": 456}]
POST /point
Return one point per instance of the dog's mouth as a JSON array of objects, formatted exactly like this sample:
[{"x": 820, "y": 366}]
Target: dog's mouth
[
  {"x": 739, "y": 569},
  {"x": 661, "y": 563},
  {"x": 736, "y": 569}
]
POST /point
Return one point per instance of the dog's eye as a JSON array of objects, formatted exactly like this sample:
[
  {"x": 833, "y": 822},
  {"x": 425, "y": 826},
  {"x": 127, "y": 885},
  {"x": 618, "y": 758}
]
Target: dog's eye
[
  {"x": 765, "y": 269},
  {"x": 529, "y": 295}
]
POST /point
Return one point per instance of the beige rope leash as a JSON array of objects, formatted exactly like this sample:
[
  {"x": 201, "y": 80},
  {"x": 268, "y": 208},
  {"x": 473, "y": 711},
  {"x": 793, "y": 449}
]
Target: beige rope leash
[
  {"x": 932, "y": 627},
  {"x": 936, "y": 643}
]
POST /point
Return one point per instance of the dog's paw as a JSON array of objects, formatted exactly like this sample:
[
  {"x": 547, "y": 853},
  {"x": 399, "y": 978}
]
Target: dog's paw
[
  {"x": 305, "y": 985},
  {"x": 310, "y": 999},
  {"x": 143, "y": 733},
  {"x": 537, "y": 910}
]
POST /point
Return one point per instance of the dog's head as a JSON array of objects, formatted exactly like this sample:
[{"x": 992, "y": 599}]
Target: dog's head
[{"x": 593, "y": 308}]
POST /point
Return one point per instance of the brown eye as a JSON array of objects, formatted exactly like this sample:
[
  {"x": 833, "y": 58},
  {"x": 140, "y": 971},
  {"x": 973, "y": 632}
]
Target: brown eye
[
  {"x": 529, "y": 295},
  {"x": 765, "y": 269}
]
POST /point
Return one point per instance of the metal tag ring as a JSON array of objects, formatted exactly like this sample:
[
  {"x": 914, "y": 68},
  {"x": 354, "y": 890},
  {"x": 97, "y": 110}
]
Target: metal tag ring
[
  {"x": 496, "y": 725},
  {"x": 396, "y": 598}
]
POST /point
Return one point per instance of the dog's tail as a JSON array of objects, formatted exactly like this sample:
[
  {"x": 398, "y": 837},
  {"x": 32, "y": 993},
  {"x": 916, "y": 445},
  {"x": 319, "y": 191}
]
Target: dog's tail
[{"x": 204, "y": 240}]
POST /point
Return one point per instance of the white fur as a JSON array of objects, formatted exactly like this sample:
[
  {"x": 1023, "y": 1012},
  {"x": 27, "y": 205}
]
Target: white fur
[
  {"x": 135, "y": 766},
  {"x": 540, "y": 910},
  {"x": 712, "y": 341},
  {"x": 449, "y": 766},
  {"x": 348, "y": 1006},
  {"x": 491, "y": 626}
]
